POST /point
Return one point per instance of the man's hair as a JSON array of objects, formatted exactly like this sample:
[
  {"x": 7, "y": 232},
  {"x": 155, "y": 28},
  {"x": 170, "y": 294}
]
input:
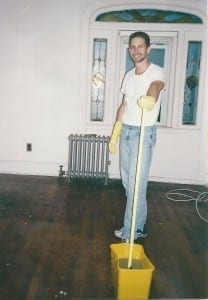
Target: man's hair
[{"x": 140, "y": 34}]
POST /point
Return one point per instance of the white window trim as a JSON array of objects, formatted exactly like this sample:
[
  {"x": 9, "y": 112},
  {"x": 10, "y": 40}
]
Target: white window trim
[
  {"x": 187, "y": 37},
  {"x": 110, "y": 79}
]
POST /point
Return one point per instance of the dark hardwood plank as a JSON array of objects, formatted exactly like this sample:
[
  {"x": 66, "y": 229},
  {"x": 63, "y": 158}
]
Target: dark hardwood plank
[{"x": 55, "y": 240}]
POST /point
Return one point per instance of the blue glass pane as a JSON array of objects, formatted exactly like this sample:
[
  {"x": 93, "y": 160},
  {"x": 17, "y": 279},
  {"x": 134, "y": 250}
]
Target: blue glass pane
[
  {"x": 157, "y": 56},
  {"x": 191, "y": 84}
]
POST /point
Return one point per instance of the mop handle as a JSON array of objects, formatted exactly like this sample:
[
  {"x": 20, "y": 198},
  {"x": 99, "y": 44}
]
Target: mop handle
[{"x": 136, "y": 190}]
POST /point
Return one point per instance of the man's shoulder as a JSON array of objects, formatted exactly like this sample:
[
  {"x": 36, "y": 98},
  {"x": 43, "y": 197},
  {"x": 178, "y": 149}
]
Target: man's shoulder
[
  {"x": 156, "y": 70},
  {"x": 129, "y": 74}
]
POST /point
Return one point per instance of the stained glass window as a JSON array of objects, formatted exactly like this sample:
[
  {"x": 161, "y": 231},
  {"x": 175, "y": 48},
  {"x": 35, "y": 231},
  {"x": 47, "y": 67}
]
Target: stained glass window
[
  {"x": 149, "y": 16},
  {"x": 98, "y": 79},
  {"x": 192, "y": 82}
]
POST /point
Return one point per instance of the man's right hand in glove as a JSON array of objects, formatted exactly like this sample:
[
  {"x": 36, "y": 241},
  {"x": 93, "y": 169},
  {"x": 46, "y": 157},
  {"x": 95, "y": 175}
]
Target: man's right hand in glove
[
  {"x": 114, "y": 137},
  {"x": 146, "y": 102}
]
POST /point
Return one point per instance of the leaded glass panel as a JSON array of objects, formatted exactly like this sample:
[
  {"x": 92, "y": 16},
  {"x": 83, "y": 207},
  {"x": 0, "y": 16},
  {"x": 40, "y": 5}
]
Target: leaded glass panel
[
  {"x": 98, "y": 79},
  {"x": 191, "y": 83},
  {"x": 148, "y": 16}
]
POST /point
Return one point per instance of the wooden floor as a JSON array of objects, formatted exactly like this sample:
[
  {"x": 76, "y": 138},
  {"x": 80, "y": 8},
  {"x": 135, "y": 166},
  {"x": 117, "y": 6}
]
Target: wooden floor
[{"x": 55, "y": 240}]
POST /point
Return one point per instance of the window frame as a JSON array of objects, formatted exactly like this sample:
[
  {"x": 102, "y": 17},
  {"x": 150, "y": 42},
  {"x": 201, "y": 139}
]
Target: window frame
[
  {"x": 189, "y": 37},
  {"x": 109, "y": 80}
]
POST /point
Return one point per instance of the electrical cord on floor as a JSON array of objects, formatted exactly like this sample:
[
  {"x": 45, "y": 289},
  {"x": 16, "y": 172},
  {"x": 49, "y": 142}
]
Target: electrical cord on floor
[{"x": 184, "y": 195}]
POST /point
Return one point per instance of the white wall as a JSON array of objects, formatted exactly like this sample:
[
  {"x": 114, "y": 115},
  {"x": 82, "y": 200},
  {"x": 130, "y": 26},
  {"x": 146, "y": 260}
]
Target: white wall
[
  {"x": 43, "y": 67},
  {"x": 40, "y": 47}
]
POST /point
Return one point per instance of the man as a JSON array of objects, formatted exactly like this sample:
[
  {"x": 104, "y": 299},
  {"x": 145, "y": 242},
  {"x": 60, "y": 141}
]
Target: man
[{"x": 141, "y": 90}]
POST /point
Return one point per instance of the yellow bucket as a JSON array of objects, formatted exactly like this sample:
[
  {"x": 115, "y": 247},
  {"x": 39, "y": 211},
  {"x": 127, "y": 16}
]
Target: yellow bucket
[{"x": 131, "y": 283}]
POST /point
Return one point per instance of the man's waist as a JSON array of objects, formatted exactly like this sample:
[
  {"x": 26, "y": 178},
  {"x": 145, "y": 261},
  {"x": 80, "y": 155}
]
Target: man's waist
[{"x": 130, "y": 126}]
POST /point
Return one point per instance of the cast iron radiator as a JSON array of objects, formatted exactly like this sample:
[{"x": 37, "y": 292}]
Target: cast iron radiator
[{"x": 88, "y": 157}]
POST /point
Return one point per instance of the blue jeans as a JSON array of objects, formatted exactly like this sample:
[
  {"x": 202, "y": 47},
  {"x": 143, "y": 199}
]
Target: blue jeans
[{"x": 129, "y": 144}]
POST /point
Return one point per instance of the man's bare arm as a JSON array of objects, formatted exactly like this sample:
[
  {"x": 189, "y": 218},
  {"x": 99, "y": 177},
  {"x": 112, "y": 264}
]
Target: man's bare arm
[
  {"x": 121, "y": 110},
  {"x": 155, "y": 88}
]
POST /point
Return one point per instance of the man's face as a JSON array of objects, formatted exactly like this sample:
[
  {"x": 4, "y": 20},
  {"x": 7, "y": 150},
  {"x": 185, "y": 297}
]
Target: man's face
[{"x": 138, "y": 50}]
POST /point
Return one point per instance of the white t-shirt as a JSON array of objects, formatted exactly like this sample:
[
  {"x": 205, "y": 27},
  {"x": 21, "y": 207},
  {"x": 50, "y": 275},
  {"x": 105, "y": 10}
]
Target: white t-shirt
[{"x": 133, "y": 87}]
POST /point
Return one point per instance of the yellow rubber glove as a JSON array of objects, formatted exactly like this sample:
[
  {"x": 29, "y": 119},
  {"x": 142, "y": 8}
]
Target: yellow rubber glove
[
  {"x": 114, "y": 137},
  {"x": 146, "y": 102}
]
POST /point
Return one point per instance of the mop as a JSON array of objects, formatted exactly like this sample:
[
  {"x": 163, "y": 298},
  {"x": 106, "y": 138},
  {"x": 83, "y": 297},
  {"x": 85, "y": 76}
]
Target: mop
[
  {"x": 136, "y": 186},
  {"x": 131, "y": 268}
]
